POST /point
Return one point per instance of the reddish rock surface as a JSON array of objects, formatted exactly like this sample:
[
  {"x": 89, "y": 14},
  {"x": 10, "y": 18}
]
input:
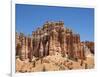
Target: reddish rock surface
[{"x": 51, "y": 38}]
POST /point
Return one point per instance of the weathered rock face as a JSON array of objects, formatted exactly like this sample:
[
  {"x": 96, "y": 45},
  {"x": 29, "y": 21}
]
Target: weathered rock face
[
  {"x": 90, "y": 45},
  {"x": 51, "y": 38}
]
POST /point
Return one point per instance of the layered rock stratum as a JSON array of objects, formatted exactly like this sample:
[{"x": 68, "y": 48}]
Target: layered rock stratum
[{"x": 52, "y": 47}]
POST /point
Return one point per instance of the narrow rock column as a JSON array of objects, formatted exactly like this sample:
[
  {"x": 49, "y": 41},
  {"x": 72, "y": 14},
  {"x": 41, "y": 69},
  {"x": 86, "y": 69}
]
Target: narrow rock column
[
  {"x": 53, "y": 40},
  {"x": 63, "y": 43},
  {"x": 31, "y": 49},
  {"x": 26, "y": 48},
  {"x": 50, "y": 46},
  {"x": 70, "y": 44},
  {"x": 41, "y": 50},
  {"x": 22, "y": 52},
  {"x": 75, "y": 46},
  {"x": 46, "y": 49},
  {"x": 82, "y": 52}
]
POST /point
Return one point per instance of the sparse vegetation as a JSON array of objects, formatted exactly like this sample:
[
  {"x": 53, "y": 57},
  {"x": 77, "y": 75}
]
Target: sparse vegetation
[
  {"x": 62, "y": 67},
  {"x": 86, "y": 66},
  {"x": 34, "y": 63},
  {"x": 44, "y": 69}
]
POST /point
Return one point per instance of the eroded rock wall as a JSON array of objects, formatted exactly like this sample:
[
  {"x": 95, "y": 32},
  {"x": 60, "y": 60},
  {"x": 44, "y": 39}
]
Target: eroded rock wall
[{"x": 47, "y": 40}]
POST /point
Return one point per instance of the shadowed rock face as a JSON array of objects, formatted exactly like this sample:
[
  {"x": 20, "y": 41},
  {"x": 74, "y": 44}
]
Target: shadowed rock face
[
  {"x": 47, "y": 40},
  {"x": 90, "y": 45}
]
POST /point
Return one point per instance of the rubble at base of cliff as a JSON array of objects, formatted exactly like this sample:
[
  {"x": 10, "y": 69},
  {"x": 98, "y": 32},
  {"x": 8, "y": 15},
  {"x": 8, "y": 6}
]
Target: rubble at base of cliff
[{"x": 53, "y": 63}]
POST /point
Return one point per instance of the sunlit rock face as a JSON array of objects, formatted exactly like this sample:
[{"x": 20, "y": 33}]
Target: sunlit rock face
[{"x": 52, "y": 37}]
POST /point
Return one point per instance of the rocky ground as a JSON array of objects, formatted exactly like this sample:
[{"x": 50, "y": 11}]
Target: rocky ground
[{"x": 53, "y": 63}]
